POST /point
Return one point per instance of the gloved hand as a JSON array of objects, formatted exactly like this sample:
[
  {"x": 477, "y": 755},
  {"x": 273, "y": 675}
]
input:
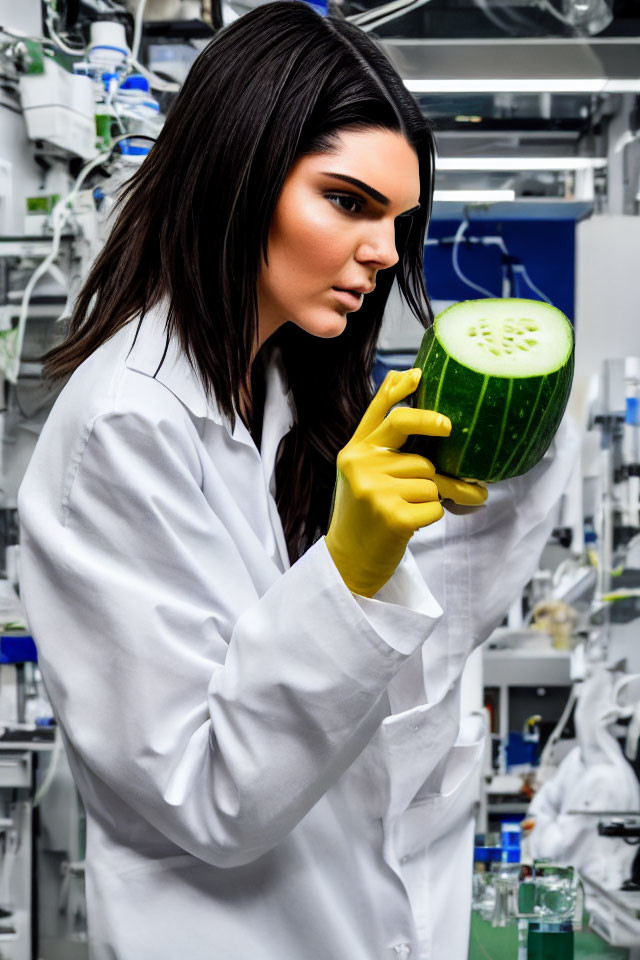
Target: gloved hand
[{"x": 383, "y": 496}]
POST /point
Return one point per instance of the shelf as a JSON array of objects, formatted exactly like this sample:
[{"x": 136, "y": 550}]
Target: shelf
[
  {"x": 527, "y": 668},
  {"x": 27, "y": 246},
  {"x": 535, "y": 208}
]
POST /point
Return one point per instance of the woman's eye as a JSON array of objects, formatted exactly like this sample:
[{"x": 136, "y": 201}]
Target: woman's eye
[{"x": 346, "y": 202}]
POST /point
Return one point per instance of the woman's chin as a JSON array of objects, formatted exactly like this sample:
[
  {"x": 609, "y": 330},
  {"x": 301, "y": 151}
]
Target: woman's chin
[{"x": 329, "y": 325}]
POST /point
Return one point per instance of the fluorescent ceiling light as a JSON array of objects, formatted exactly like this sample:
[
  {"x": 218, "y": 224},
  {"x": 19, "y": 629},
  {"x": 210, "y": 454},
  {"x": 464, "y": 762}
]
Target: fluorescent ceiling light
[
  {"x": 479, "y": 196},
  {"x": 520, "y": 85},
  {"x": 520, "y": 163},
  {"x": 622, "y": 86}
]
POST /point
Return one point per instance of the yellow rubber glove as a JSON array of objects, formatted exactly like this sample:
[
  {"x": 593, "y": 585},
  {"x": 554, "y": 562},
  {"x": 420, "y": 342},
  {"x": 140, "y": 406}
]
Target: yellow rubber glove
[{"x": 383, "y": 496}]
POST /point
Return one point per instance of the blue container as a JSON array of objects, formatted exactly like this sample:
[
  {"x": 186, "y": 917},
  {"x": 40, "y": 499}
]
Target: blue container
[
  {"x": 510, "y": 835},
  {"x": 520, "y": 751},
  {"x": 18, "y": 649}
]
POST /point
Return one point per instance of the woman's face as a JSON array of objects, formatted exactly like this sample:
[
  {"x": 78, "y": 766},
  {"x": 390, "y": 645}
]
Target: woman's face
[{"x": 333, "y": 228}]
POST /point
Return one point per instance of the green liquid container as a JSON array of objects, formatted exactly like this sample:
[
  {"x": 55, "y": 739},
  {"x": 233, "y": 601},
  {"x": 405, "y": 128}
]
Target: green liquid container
[{"x": 550, "y": 941}]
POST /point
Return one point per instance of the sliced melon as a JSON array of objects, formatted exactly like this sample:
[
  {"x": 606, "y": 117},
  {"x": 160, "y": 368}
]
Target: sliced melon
[{"x": 501, "y": 370}]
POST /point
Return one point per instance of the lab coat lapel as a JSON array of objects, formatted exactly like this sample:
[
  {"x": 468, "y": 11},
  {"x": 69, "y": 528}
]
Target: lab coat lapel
[{"x": 160, "y": 356}]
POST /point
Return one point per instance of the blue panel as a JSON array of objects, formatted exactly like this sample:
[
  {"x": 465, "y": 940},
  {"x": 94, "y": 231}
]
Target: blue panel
[
  {"x": 545, "y": 247},
  {"x": 17, "y": 649}
]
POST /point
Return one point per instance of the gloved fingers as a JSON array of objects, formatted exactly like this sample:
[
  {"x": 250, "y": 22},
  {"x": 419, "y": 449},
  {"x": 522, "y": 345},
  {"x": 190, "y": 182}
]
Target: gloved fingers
[
  {"x": 416, "y": 515},
  {"x": 394, "y": 388},
  {"x": 404, "y": 421},
  {"x": 417, "y": 491},
  {"x": 466, "y": 494},
  {"x": 409, "y": 466}
]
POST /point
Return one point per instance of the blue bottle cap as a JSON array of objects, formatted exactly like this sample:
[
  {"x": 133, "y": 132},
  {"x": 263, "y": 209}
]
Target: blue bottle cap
[{"x": 135, "y": 82}]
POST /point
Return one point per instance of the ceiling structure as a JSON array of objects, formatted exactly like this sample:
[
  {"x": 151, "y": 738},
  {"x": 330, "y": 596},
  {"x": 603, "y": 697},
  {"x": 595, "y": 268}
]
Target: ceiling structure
[
  {"x": 522, "y": 82},
  {"x": 551, "y": 87},
  {"x": 496, "y": 19}
]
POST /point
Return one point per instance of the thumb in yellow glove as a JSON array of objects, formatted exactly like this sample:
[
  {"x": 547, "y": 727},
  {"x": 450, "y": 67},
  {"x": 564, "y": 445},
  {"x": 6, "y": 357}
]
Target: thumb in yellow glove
[{"x": 383, "y": 496}]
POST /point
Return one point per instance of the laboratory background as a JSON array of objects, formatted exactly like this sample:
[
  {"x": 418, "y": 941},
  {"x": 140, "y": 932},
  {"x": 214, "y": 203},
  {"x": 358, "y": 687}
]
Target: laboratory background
[{"x": 536, "y": 112}]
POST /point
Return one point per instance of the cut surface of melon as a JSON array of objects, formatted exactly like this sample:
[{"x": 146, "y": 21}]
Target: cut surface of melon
[{"x": 505, "y": 338}]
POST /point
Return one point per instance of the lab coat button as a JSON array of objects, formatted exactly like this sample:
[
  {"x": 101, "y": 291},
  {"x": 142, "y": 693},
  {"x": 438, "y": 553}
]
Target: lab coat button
[{"x": 402, "y": 951}]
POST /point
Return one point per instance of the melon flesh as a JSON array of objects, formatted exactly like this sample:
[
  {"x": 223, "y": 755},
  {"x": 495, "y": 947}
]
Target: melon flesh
[{"x": 501, "y": 370}]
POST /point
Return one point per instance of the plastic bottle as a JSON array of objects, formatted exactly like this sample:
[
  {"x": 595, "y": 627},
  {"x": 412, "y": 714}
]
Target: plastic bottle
[
  {"x": 510, "y": 834},
  {"x": 550, "y": 941},
  {"x": 138, "y": 107},
  {"x": 108, "y": 48}
]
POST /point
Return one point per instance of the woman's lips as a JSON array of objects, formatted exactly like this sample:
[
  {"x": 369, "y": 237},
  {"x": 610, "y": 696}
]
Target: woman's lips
[{"x": 351, "y": 300}]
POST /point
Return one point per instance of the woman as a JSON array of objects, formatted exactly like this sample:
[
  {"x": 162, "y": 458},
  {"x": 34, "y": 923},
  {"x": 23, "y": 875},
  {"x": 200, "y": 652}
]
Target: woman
[{"x": 248, "y": 705}]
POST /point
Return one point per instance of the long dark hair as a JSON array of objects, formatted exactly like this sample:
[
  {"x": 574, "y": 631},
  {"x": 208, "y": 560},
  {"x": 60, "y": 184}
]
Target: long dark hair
[{"x": 193, "y": 226}]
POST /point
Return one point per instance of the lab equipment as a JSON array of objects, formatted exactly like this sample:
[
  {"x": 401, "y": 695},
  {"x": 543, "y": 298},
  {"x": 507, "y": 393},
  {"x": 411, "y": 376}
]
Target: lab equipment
[{"x": 545, "y": 902}]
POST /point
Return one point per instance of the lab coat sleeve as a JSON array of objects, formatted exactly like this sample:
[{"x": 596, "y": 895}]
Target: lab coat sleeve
[
  {"x": 488, "y": 554},
  {"x": 222, "y": 743}
]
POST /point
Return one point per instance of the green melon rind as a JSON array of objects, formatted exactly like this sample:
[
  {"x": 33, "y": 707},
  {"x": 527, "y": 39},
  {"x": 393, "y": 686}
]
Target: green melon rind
[{"x": 498, "y": 431}]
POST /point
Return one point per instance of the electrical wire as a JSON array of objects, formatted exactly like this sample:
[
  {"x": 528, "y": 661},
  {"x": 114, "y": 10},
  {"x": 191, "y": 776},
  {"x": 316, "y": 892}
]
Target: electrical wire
[
  {"x": 520, "y": 268},
  {"x": 517, "y": 266},
  {"x": 395, "y": 8},
  {"x": 137, "y": 30},
  {"x": 43, "y": 268},
  {"x": 630, "y": 684},
  {"x": 414, "y": 5},
  {"x": 548, "y": 7},
  {"x": 633, "y": 736},
  {"x": 111, "y": 104},
  {"x": 45, "y": 786},
  {"x": 515, "y": 23},
  {"x": 17, "y": 34},
  {"x": 366, "y": 15},
  {"x": 60, "y": 216},
  {"x": 59, "y": 42},
  {"x": 155, "y": 82},
  {"x": 556, "y": 733},
  {"x": 483, "y": 6},
  {"x": 456, "y": 266}
]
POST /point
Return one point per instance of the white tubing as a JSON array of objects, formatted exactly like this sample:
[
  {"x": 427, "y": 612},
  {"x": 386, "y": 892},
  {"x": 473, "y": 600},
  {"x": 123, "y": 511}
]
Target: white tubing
[
  {"x": 60, "y": 215},
  {"x": 45, "y": 786},
  {"x": 369, "y": 15},
  {"x": 521, "y": 269},
  {"x": 456, "y": 266},
  {"x": 155, "y": 82},
  {"x": 137, "y": 30},
  {"x": 371, "y": 25}
]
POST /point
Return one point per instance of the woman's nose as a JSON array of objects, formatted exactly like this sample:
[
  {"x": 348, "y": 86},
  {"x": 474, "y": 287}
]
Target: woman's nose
[{"x": 379, "y": 247}]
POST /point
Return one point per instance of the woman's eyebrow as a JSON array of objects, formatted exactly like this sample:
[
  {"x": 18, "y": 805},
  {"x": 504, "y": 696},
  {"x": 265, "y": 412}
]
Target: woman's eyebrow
[{"x": 373, "y": 193}]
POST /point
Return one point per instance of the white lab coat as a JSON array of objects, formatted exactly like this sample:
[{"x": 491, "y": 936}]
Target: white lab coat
[{"x": 272, "y": 767}]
